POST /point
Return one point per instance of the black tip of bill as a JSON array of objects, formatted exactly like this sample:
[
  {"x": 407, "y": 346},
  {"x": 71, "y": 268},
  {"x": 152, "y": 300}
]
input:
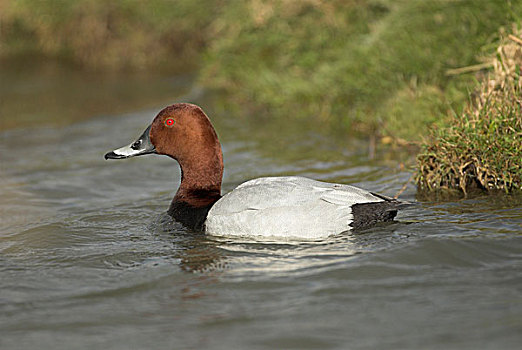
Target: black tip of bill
[{"x": 112, "y": 155}]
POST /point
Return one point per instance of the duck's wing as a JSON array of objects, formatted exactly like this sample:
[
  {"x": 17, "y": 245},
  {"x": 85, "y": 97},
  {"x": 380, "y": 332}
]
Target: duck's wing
[
  {"x": 286, "y": 206},
  {"x": 269, "y": 192}
]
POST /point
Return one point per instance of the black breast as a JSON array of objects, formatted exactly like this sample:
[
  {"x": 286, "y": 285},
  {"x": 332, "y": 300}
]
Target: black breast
[
  {"x": 190, "y": 216},
  {"x": 190, "y": 207}
]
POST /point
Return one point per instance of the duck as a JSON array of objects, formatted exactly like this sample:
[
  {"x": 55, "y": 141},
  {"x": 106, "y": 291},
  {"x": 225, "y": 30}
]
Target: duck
[{"x": 283, "y": 206}]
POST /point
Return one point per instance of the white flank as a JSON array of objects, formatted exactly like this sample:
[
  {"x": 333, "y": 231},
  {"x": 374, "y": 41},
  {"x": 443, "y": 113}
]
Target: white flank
[{"x": 286, "y": 207}]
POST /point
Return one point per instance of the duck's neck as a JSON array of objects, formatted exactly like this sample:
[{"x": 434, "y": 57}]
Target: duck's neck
[{"x": 200, "y": 188}]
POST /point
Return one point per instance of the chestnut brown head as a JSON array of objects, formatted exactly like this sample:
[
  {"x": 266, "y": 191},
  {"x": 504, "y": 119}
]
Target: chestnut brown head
[{"x": 181, "y": 131}]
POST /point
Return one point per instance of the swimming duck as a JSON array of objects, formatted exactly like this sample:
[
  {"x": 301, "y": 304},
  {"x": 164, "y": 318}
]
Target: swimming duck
[{"x": 289, "y": 206}]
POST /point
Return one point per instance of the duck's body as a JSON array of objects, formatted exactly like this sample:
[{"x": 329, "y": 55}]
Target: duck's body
[
  {"x": 271, "y": 206},
  {"x": 291, "y": 207}
]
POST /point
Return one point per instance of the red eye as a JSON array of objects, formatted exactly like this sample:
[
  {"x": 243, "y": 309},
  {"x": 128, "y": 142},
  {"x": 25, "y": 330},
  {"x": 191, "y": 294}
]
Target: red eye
[{"x": 169, "y": 122}]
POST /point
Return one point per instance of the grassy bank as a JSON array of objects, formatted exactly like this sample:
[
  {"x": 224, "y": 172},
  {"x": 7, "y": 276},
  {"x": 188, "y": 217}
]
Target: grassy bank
[
  {"x": 108, "y": 35},
  {"x": 373, "y": 66},
  {"x": 482, "y": 147}
]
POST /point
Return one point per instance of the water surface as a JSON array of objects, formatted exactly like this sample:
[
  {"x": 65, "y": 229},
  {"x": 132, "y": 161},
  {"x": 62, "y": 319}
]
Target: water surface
[{"x": 87, "y": 260}]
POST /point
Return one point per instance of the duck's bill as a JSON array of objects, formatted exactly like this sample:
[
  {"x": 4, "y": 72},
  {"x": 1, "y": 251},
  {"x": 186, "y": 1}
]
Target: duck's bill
[{"x": 141, "y": 146}]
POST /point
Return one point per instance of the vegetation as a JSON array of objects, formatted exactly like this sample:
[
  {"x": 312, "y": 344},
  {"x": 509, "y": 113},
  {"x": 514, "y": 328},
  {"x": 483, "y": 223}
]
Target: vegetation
[
  {"x": 378, "y": 67},
  {"x": 483, "y": 145},
  {"x": 374, "y": 66},
  {"x": 108, "y": 35}
]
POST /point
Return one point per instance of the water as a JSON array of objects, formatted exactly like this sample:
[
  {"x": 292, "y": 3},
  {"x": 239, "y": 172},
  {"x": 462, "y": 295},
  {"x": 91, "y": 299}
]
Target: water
[{"x": 87, "y": 260}]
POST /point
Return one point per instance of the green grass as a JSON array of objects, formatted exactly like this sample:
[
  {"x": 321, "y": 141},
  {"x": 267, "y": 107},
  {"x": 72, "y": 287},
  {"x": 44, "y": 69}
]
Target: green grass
[
  {"x": 481, "y": 147},
  {"x": 373, "y": 66}
]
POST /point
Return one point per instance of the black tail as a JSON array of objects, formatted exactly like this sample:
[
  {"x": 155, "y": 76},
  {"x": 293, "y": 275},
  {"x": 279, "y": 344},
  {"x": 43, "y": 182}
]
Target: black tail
[{"x": 369, "y": 214}]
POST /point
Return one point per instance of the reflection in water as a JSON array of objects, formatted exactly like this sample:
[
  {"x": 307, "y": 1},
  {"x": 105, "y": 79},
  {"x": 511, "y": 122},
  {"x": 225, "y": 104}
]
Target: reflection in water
[
  {"x": 195, "y": 251},
  {"x": 48, "y": 93},
  {"x": 246, "y": 257}
]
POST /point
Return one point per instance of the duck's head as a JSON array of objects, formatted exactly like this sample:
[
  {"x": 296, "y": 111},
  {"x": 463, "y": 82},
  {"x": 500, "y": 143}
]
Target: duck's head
[{"x": 181, "y": 131}]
